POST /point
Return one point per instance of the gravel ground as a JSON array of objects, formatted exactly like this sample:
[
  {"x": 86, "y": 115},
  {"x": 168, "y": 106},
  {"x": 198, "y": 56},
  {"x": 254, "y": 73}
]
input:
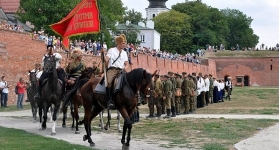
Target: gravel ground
[{"x": 267, "y": 138}]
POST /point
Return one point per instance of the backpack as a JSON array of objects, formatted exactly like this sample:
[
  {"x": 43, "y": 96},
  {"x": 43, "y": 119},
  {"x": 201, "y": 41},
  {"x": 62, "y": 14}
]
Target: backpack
[{"x": 16, "y": 89}]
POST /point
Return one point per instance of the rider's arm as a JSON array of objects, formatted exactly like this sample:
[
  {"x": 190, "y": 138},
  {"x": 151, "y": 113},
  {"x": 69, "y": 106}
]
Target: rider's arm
[{"x": 126, "y": 66}]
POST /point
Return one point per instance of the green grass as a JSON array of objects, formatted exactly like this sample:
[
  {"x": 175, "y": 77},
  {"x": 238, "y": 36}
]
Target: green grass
[
  {"x": 190, "y": 133},
  {"x": 228, "y": 53},
  {"x": 14, "y": 108},
  {"x": 14, "y": 139}
]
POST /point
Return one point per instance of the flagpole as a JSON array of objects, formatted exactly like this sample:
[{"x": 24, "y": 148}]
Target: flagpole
[{"x": 101, "y": 44}]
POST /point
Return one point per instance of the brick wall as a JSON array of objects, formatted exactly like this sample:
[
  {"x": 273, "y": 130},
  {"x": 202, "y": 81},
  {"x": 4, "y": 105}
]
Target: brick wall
[
  {"x": 19, "y": 53},
  {"x": 261, "y": 71}
]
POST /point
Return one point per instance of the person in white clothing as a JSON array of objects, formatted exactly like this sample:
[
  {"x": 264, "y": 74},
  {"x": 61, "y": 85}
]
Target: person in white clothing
[
  {"x": 201, "y": 91},
  {"x": 228, "y": 87},
  {"x": 216, "y": 90},
  {"x": 116, "y": 60},
  {"x": 60, "y": 72},
  {"x": 4, "y": 87}
]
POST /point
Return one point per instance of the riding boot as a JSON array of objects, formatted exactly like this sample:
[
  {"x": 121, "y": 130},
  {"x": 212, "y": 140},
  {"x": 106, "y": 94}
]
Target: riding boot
[
  {"x": 151, "y": 115},
  {"x": 168, "y": 114},
  {"x": 110, "y": 103},
  {"x": 173, "y": 111},
  {"x": 178, "y": 106},
  {"x": 159, "y": 111}
]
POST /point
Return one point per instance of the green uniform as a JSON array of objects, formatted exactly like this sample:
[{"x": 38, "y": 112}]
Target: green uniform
[
  {"x": 158, "y": 99},
  {"x": 75, "y": 69},
  {"x": 162, "y": 101},
  {"x": 96, "y": 71},
  {"x": 167, "y": 93},
  {"x": 192, "y": 98},
  {"x": 195, "y": 97},
  {"x": 178, "y": 82},
  {"x": 186, "y": 94},
  {"x": 151, "y": 101}
]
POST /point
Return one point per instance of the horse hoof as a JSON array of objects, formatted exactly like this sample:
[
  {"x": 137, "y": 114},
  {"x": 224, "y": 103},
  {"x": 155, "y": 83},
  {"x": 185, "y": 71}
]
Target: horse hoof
[
  {"x": 92, "y": 144},
  {"x": 120, "y": 131},
  {"x": 53, "y": 133},
  {"x": 77, "y": 132},
  {"x": 84, "y": 137},
  {"x": 125, "y": 147},
  {"x": 106, "y": 128},
  {"x": 63, "y": 126}
]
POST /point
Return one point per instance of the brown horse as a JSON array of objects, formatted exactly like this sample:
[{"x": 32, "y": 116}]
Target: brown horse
[
  {"x": 125, "y": 100},
  {"x": 75, "y": 99}
]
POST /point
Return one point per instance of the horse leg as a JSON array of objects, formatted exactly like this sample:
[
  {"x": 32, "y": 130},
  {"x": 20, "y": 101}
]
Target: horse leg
[
  {"x": 101, "y": 124},
  {"x": 51, "y": 111},
  {"x": 72, "y": 110},
  {"x": 107, "y": 126},
  {"x": 127, "y": 125},
  {"x": 89, "y": 115},
  {"x": 64, "y": 111},
  {"x": 45, "y": 116},
  {"x": 76, "y": 115},
  {"x": 56, "y": 107},
  {"x": 119, "y": 122},
  {"x": 40, "y": 116}
]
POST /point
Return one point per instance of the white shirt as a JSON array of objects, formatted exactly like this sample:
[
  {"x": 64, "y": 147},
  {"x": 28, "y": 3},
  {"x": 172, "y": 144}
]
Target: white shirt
[
  {"x": 113, "y": 54},
  {"x": 229, "y": 83},
  {"x": 199, "y": 84},
  {"x": 207, "y": 84},
  {"x": 38, "y": 75},
  {"x": 58, "y": 57},
  {"x": 216, "y": 83},
  {"x": 4, "y": 84}
]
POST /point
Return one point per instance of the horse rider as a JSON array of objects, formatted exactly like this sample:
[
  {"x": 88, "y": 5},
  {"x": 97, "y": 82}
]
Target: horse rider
[
  {"x": 74, "y": 70},
  {"x": 60, "y": 72},
  {"x": 116, "y": 60},
  {"x": 96, "y": 70}
]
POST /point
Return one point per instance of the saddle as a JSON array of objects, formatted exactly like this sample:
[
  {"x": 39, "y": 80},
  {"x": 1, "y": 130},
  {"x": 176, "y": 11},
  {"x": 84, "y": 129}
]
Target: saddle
[
  {"x": 117, "y": 84},
  {"x": 45, "y": 80}
]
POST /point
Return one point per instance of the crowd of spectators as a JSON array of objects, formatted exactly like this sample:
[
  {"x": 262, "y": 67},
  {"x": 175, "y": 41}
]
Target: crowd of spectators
[{"x": 7, "y": 26}]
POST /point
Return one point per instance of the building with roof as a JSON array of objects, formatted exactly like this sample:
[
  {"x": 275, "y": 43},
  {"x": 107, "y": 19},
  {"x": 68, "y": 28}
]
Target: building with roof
[
  {"x": 9, "y": 6},
  {"x": 148, "y": 37}
]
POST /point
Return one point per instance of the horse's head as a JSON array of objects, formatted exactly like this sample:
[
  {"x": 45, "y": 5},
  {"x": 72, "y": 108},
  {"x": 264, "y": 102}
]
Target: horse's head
[
  {"x": 146, "y": 84},
  {"x": 87, "y": 73},
  {"x": 32, "y": 77},
  {"x": 49, "y": 64}
]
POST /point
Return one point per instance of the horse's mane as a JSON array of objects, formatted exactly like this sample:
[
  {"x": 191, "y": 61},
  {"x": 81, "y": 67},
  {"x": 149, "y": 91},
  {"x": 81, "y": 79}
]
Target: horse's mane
[{"x": 134, "y": 77}]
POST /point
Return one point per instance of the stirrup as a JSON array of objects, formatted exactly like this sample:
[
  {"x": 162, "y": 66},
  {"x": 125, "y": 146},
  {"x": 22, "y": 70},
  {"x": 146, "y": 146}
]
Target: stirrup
[{"x": 110, "y": 104}]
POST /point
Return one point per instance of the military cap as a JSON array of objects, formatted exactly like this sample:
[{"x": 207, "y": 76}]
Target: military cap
[
  {"x": 189, "y": 75},
  {"x": 184, "y": 73},
  {"x": 194, "y": 73},
  {"x": 176, "y": 74},
  {"x": 170, "y": 72},
  {"x": 166, "y": 76}
]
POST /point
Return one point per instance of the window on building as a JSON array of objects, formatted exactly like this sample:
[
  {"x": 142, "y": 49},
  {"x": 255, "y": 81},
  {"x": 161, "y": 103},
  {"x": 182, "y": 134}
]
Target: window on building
[
  {"x": 154, "y": 15},
  {"x": 270, "y": 67},
  {"x": 142, "y": 38},
  {"x": 239, "y": 80}
]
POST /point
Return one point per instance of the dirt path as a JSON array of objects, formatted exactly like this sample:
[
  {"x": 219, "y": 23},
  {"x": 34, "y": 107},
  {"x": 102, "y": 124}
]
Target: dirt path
[{"x": 267, "y": 138}]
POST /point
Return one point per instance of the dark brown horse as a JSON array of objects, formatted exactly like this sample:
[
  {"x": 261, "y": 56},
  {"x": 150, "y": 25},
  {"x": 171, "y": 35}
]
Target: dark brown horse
[
  {"x": 125, "y": 100},
  {"x": 75, "y": 99},
  {"x": 31, "y": 92}
]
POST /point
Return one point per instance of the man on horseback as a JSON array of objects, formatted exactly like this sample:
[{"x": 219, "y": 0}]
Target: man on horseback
[
  {"x": 60, "y": 71},
  {"x": 74, "y": 71},
  {"x": 116, "y": 60}
]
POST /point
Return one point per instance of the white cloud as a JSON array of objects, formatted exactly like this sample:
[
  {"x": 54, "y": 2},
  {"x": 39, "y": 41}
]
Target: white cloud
[{"x": 265, "y": 14}]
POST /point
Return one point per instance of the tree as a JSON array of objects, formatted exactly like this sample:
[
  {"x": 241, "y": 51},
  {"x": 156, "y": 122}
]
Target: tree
[
  {"x": 42, "y": 13},
  {"x": 175, "y": 30},
  {"x": 241, "y": 32},
  {"x": 209, "y": 25},
  {"x": 133, "y": 16}
]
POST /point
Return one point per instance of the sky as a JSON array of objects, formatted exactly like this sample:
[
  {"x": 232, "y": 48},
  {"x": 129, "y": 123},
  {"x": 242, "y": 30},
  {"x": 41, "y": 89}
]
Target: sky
[{"x": 265, "y": 14}]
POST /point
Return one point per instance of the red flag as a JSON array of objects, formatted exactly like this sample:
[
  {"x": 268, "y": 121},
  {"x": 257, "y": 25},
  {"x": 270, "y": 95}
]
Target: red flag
[
  {"x": 65, "y": 42},
  {"x": 83, "y": 19}
]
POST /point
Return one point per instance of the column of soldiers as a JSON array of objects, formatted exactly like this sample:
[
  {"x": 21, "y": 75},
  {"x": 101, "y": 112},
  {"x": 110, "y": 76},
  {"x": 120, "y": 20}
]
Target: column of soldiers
[{"x": 173, "y": 90}]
